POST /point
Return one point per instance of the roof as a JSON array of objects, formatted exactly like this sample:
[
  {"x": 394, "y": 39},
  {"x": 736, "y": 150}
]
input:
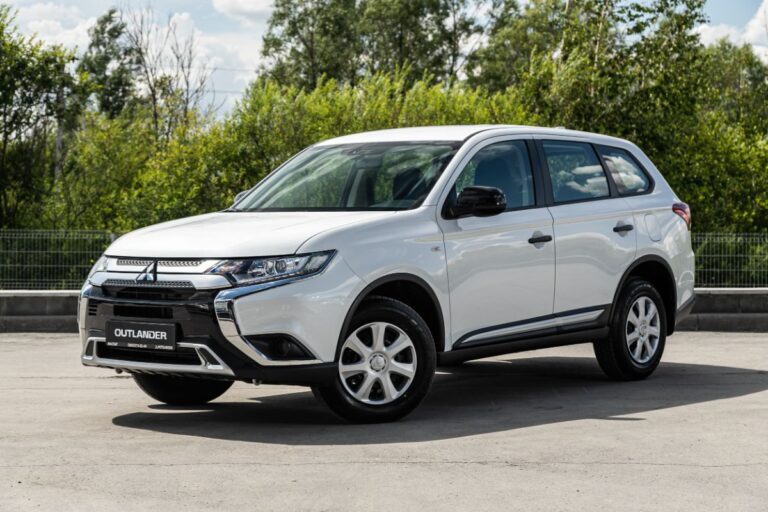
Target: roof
[{"x": 449, "y": 133}]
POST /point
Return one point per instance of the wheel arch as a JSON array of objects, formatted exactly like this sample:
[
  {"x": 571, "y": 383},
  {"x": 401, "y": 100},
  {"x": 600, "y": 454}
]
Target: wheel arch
[
  {"x": 409, "y": 289},
  {"x": 657, "y": 271}
]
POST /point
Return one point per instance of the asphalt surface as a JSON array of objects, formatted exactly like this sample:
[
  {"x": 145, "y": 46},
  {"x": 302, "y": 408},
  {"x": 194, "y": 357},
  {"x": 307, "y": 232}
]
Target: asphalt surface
[{"x": 536, "y": 431}]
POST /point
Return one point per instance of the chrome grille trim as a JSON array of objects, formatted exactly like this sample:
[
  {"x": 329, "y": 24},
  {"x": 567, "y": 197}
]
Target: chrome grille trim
[
  {"x": 149, "y": 284},
  {"x": 165, "y": 280},
  {"x": 125, "y": 262}
]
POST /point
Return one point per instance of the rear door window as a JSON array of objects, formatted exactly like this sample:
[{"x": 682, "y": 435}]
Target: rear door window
[{"x": 575, "y": 171}]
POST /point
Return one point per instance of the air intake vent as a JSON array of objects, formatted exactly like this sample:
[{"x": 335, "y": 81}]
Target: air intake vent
[{"x": 93, "y": 308}]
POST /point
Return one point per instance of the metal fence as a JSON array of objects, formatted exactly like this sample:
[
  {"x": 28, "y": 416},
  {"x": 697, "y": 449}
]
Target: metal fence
[
  {"x": 731, "y": 260},
  {"x": 60, "y": 260},
  {"x": 48, "y": 260}
]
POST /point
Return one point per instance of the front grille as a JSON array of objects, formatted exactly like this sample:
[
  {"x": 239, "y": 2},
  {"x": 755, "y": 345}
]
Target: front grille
[
  {"x": 142, "y": 311},
  {"x": 182, "y": 355},
  {"x": 93, "y": 307},
  {"x": 150, "y": 293},
  {"x": 190, "y": 309}
]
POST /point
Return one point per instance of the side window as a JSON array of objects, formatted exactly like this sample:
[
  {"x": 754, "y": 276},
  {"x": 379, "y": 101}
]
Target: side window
[
  {"x": 504, "y": 165},
  {"x": 629, "y": 177},
  {"x": 575, "y": 171}
]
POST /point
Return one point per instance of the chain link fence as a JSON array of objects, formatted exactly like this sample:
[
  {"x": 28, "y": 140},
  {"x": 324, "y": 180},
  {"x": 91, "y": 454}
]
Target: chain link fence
[{"x": 60, "y": 260}]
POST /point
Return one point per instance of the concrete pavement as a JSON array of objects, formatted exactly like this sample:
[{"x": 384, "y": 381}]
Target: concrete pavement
[{"x": 535, "y": 431}]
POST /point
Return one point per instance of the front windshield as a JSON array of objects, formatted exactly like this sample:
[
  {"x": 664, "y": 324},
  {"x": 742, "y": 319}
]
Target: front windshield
[{"x": 372, "y": 176}]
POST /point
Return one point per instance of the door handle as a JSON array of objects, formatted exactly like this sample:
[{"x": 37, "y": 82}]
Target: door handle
[
  {"x": 623, "y": 228},
  {"x": 539, "y": 239}
]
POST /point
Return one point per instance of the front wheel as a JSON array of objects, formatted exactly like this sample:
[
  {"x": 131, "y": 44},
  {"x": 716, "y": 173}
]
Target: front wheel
[
  {"x": 174, "y": 390},
  {"x": 386, "y": 364},
  {"x": 638, "y": 333}
]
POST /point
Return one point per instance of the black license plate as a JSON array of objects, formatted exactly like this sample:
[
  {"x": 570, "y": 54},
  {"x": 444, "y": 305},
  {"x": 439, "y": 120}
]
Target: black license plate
[{"x": 141, "y": 335}]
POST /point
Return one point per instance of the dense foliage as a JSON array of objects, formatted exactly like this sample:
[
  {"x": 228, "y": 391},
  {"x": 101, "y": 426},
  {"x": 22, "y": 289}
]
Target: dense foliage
[{"x": 100, "y": 147}]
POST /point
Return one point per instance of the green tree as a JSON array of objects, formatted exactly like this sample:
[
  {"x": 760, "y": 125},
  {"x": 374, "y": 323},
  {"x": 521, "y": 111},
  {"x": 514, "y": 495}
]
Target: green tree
[
  {"x": 309, "y": 39},
  {"x": 109, "y": 64},
  {"x": 515, "y": 35},
  {"x": 738, "y": 86},
  {"x": 100, "y": 177},
  {"x": 426, "y": 37},
  {"x": 35, "y": 89}
]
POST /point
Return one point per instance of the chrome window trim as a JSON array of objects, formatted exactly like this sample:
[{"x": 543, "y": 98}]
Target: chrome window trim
[{"x": 202, "y": 368}]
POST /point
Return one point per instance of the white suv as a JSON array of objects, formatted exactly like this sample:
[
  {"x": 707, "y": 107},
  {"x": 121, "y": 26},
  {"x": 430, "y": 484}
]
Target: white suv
[{"x": 365, "y": 261}]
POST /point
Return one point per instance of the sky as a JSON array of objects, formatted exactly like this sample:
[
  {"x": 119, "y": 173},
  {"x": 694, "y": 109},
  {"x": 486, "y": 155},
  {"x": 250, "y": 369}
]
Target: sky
[{"x": 228, "y": 32}]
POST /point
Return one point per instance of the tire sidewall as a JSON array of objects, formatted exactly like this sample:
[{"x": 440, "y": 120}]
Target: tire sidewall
[
  {"x": 635, "y": 290},
  {"x": 414, "y": 326}
]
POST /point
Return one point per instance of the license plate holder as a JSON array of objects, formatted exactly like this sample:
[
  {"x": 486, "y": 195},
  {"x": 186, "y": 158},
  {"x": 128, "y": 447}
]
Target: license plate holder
[{"x": 141, "y": 335}]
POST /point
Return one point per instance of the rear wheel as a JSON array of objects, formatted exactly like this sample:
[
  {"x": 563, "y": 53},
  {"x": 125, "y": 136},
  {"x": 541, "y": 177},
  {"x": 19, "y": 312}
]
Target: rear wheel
[
  {"x": 638, "y": 334},
  {"x": 173, "y": 390},
  {"x": 386, "y": 364}
]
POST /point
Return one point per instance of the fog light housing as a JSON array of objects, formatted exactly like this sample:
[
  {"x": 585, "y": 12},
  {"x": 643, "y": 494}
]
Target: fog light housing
[{"x": 279, "y": 347}]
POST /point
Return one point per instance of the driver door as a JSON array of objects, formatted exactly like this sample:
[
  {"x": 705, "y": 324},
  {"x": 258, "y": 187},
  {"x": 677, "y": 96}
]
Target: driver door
[{"x": 501, "y": 282}]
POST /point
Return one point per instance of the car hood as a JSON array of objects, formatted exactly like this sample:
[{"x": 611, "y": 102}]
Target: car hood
[{"x": 234, "y": 234}]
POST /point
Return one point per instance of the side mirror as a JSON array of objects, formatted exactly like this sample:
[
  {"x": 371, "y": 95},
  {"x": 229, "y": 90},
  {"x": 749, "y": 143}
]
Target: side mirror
[
  {"x": 480, "y": 202},
  {"x": 239, "y": 196}
]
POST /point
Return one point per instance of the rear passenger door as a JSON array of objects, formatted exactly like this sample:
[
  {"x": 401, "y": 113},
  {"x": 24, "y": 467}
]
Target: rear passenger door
[{"x": 595, "y": 239}]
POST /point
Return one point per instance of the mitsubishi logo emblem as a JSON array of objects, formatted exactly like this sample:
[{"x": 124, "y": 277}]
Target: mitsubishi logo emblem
[{"x": 149, "y": 274}]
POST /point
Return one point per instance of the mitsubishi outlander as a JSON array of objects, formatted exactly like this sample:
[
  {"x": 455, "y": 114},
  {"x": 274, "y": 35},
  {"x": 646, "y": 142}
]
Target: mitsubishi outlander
[{"x": 365, "y": 261}]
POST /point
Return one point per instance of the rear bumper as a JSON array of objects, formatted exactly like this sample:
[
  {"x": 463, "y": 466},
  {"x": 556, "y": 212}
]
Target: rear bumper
[{"x": 684, "y": 310}]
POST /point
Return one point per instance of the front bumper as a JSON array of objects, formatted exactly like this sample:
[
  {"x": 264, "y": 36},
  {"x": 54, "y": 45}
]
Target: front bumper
[{"x": 216, "y": 326}]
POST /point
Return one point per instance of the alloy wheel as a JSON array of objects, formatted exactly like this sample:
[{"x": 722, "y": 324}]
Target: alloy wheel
[
  {"x": 378, "y": 363},
  {"x": 643, "y": 330}
]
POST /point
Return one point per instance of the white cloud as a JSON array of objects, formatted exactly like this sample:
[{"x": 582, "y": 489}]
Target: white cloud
[
  {"x": 711, "y": 34},
  {"x": 248, "y": 12},
  {"x": 55, "y": 23},
  {"x": 755, "y": 32}
]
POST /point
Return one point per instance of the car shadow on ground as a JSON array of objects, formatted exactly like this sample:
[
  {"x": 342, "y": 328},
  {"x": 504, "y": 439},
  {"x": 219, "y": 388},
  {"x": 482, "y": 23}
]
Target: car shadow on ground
[{"x": 475, "y": 398}]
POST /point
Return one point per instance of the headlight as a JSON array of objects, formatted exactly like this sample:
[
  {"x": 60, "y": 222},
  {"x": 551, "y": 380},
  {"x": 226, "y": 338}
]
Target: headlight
[
  {"x": 264, "y": 270},
  {"x": 99, "y": 266}
]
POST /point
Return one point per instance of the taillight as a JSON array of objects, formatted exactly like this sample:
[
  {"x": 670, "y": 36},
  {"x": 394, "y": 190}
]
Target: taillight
[{"x": 684, "y": 211}]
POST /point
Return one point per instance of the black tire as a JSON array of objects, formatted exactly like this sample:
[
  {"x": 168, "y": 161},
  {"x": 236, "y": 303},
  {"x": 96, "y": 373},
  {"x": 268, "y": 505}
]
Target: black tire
[
  {"x": 385, "y": 309},
  {"x": 173, "y": 390},
  {"x": 613, "y": 354}
]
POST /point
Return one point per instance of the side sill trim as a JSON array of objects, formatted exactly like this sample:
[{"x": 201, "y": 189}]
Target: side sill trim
[
  {"x": 530, "y": 327},
  {"x": 542, "y": 340}
]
